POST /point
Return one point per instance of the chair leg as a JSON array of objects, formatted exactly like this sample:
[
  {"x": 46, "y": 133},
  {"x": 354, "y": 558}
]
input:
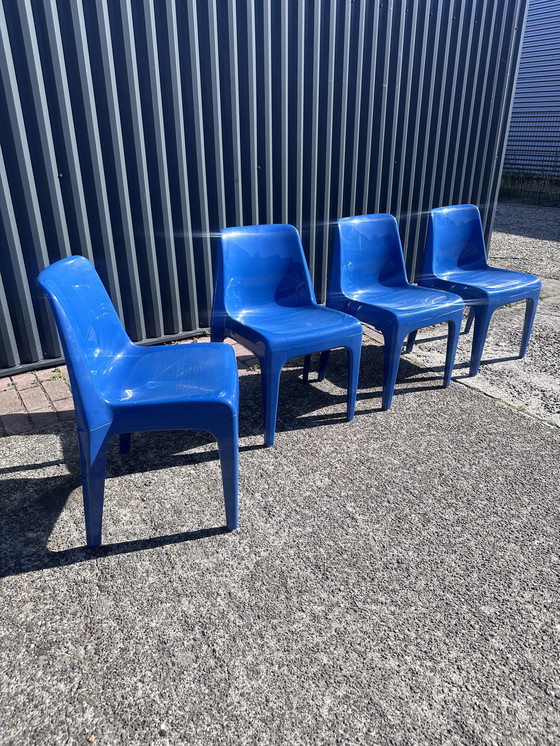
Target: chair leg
[
  {"x": 483, "y": 315},
  {"x": 470, "y": 319},
  {"x": 323, "y": 365},
  {"x": 411, "y": 340},
  {"x": 124, "y": 442},
  {"x": 453, "y": 332},
  {"x": 391, "y": 360},
  {"x": 271, "y": 368},
  {"x": 306, "y": 366},
  {"x": 217, "y": 334},
  {"x": 530, "y": 311},
  {"x": 353, "y": 355},
  {"x": 93, "y": 457},
  {"x": 229, "y": 449}
]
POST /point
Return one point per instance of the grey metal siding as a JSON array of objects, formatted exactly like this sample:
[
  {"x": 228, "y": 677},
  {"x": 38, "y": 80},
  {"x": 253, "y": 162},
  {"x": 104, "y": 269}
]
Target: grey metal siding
[
  {"x": 538, "y": 83},
  {"x": 134, "y": 130},
  {"x": 533, "y": 147}
]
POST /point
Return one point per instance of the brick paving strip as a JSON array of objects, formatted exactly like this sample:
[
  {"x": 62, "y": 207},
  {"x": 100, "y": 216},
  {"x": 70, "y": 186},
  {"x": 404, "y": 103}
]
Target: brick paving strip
[{"x": 38, "y": 399}]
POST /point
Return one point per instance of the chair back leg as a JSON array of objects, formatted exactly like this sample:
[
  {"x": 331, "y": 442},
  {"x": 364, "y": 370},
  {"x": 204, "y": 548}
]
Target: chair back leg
[
  {"x": 323, "y": 364},
  {"x": 393, "y": 342},
  {"x": 353, "y": 355},
  {"x": 306, "y": 367},
  {"x": 411, "y": 340},
  {"x": 453, "y": 331},
  {"x": 217, "y": 334},
  {"x": 530, "y": 311},
  {"x": 470, "y": 319},
  {"x": 124, "y": 442},
  {"x": 271, "y": 368}
]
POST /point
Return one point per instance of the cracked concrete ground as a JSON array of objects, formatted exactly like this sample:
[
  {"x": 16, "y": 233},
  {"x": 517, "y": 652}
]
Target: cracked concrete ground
[{"x": 394, "y": 579}]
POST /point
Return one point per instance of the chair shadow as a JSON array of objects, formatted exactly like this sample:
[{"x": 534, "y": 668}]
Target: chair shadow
[
  {"x": 30, "y": 506},
  {"x": 463, "y": 366}
]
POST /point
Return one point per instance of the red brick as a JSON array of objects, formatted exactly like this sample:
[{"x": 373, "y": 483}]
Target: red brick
[
  {"x": 10, "y": 403},
  {"x": 5, "y": 384},
  {"x": 24, "y": 381},
  {"x": 47, "y": 373},
  {"x": 35, "y": 400},
  {"x": 56, "y": 390},
  {"x": 64, "y": 405}
]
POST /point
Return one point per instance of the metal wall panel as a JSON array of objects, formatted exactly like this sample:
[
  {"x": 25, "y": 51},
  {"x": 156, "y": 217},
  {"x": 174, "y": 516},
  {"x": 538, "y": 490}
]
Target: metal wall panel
[
  {"x": 533, "y": 146},
  {"x": 538, "y": 83},
  {"x": 134, "y": 130},
  {"x": 532, "y": 160}
]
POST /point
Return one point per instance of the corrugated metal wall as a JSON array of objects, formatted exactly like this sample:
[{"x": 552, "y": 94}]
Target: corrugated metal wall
[
  {"x": 538, "y": 82},
  {"x": 533, "y": 147},
  {"x": 133, "y": 131}
]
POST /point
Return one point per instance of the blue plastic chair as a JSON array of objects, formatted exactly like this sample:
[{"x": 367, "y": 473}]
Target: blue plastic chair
[
  {"x": 368, "y": 280},
  {"x": 119, "y": 387},
  {"x": 264, "y": 299},
  {"x": 455, "y": 260}
]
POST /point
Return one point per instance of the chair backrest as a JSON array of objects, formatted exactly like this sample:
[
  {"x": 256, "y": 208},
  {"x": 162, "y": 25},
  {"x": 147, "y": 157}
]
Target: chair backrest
[
  {"x": 261, "y": 265},
  {"x": 455, "y": 241},
  {"x": 92, "y": 335},
  {"x": 367, "y": 252}
]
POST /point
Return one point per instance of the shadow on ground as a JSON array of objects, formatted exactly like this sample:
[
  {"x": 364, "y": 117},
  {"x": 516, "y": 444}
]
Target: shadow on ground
[{"x": 32, "y": 502}]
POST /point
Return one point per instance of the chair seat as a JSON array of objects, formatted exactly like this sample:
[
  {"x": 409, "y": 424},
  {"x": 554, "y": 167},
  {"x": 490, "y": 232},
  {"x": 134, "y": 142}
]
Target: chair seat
[
  {"x": 291, "y": 327},
  {"x": 407, "y": 303},
  {"x": 174, "y": 374},
  {"x": 499, "y": 284}
]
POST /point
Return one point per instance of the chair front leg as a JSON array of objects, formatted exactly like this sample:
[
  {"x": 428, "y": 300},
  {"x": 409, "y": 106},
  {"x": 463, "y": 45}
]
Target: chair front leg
[
  {"x": 93, "y": 457},
  {"x": 482, "y": 317},
  {"x": 530, "y": 311},
  {"x": 228, "y": 446},
  {"x": 306, "y": 367}
]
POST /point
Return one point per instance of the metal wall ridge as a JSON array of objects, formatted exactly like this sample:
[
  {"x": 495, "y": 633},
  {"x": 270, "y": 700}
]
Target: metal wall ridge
[{"x": 134, "y": 130}]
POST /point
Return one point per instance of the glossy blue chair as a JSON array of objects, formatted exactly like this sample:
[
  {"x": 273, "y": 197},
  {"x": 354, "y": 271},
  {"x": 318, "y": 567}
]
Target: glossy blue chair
[
  {"x": 264, "y": 299},
  {"x": 119, "y": 387},
  {"x": 455, "y": 260},
  {"x": 368, "y": 280}
]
